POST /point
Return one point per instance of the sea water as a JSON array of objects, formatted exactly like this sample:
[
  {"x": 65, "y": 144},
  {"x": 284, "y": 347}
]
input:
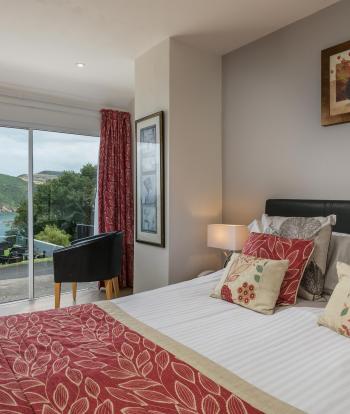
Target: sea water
[{"x": 6, "y": 219}]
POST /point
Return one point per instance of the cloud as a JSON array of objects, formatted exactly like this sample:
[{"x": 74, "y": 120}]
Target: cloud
[{"x": 51, "y": 151}]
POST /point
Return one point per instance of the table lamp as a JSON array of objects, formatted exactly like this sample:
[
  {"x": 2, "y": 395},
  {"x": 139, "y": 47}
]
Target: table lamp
[{"x": 228, "y": 237}]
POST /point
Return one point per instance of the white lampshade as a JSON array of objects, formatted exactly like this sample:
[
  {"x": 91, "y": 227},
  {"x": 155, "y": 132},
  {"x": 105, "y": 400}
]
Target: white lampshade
[{"x": 227, "y": 236}]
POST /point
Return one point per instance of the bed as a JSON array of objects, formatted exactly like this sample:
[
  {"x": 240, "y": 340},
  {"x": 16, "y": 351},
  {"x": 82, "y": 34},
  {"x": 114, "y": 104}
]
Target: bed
[
  {"x": 287, "y": 354},
  {"x": 176, "y": 350}
]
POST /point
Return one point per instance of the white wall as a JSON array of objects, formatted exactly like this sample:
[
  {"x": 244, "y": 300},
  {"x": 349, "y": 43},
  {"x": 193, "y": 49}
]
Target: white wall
[
  {"x": 26, "y": 109},
  {"x": 273, "y": 143},
  {"x": 186, "y": 84},
  {"x": 152, "y": 90}
]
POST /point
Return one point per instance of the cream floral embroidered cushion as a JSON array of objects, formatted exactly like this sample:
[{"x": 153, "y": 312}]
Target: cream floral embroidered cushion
[
  {"x": 336, "y": 315},
  {"x": 252, "y": 282},
  {"x": 217, "y": 290}
]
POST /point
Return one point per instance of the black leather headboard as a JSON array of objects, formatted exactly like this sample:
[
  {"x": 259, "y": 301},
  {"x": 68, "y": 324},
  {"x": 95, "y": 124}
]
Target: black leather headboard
[{"x": 312, "y": 208}]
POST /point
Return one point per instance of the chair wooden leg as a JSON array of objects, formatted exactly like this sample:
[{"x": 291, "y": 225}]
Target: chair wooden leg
[
  {"x": 74, "y": 291},
  {"x": 116, "y": 286},
  {"x": 57, "y": 295},
  {"x": 109, "y": 289}
]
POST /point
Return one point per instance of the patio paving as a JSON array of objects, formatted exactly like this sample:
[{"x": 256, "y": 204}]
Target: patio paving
[
  {"x": 14, "y": 282},
  {"x": 20, "y": 270},
  {"x": 17, "y": 288}
]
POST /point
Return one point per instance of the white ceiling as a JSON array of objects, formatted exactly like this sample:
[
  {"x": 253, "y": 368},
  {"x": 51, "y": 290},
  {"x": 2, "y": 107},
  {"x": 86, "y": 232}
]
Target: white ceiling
[{"x": 41, "y": 40}]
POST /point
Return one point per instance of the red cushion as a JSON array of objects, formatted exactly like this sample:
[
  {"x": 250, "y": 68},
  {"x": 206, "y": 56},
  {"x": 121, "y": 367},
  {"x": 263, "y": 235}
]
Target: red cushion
[{"x": 297, "y": 251}]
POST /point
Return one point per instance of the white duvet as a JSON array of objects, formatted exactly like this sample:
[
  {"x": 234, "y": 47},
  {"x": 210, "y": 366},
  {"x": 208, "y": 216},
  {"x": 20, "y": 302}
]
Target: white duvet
[{"x": 286, "y": 354}]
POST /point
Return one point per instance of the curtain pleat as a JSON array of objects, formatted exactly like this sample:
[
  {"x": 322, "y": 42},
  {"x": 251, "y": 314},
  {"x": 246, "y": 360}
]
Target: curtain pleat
[{"x": 115, "y": 185}]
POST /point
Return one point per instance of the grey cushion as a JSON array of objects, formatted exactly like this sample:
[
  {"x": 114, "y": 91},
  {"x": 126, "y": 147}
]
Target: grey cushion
[
  {"x": 311, "y": 228},
  {"x": 339, "y": 251}
]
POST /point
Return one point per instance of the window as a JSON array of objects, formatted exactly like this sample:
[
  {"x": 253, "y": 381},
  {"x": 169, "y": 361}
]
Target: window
[{"x": 47, "y": 199}]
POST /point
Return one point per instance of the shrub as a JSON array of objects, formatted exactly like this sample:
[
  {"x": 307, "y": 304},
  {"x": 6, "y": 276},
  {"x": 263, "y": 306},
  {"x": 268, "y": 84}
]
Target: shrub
[{"x": 54, "y": 235}]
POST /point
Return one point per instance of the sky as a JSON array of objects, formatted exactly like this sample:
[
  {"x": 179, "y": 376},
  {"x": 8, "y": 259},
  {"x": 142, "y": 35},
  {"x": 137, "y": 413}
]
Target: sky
[{"x": 51, "y": 151}]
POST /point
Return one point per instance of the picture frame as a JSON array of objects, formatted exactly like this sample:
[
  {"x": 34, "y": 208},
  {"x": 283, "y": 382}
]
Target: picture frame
[
  {"x": 335, "y": 84},
  {"x": 150, "y": 224}
]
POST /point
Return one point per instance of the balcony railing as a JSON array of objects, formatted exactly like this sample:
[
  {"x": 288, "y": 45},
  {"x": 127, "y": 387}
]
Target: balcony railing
[{"x": 14, "y": 248}]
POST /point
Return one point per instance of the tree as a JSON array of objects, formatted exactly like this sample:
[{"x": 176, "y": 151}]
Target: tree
[
  {"x": 52, "y": 234},
  {"x": 63, "y": 202}
]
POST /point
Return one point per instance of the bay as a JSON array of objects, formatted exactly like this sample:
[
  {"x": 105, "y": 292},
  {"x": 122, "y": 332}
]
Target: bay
[{"x": 6, "y": 220}]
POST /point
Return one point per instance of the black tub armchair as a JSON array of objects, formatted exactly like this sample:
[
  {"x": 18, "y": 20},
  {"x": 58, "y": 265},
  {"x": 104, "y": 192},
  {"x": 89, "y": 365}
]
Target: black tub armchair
[{"x": 95, "y": 258}]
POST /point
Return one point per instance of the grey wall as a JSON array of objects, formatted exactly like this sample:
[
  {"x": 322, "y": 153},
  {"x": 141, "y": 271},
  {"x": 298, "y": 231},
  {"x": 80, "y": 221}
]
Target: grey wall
[
  {"x": 195, "y": 162},
  {"x": 273, "y": 143}
]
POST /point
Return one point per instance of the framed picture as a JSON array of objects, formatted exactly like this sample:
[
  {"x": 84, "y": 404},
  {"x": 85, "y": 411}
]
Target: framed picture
[
  {"x": 335, "y": 107},
  {"x": 150, "y": 180}
]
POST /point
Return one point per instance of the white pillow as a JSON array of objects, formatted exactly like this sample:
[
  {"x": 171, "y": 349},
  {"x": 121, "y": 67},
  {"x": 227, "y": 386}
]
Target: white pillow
[{"x": 256, "y": 226}]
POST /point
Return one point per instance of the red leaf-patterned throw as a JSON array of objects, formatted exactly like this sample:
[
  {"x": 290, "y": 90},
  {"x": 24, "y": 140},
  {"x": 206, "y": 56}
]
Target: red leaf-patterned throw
[
  {"x": 297, "y": 251},
  {"x": 80, "y": 360}
]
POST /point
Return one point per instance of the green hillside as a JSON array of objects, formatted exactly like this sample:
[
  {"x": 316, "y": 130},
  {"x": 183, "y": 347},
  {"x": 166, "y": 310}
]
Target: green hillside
[
  {"x": 12, "y": 191},
  {"x": 42, "y": 176},
  {"x": 49, "y": 172}
]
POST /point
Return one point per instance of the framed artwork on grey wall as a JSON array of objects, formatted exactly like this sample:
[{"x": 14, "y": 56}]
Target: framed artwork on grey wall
[
  {"x": 150, "y": 180},
  {"x": 335, "y": 105}
]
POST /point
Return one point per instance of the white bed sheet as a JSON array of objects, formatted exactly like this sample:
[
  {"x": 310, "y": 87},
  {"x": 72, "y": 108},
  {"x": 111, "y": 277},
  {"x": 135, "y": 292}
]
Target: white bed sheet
[{"x": 286, "y": 354}]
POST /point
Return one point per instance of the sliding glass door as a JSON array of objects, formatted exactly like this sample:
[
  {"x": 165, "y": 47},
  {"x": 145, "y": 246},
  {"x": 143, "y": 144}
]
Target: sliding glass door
[
  {"x": 14, "y": 264},
  {"x": 65, "y": 171},
  {"x": 56, "y": 173}
]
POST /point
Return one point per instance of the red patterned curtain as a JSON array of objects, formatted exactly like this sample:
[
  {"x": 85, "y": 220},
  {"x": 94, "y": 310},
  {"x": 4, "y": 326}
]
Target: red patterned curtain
[{"x": 115, "y": 185}]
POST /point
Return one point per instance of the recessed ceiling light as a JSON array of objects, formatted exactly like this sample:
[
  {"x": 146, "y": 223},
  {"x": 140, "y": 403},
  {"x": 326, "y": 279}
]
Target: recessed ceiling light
[{"x": 80, "y": 64}]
